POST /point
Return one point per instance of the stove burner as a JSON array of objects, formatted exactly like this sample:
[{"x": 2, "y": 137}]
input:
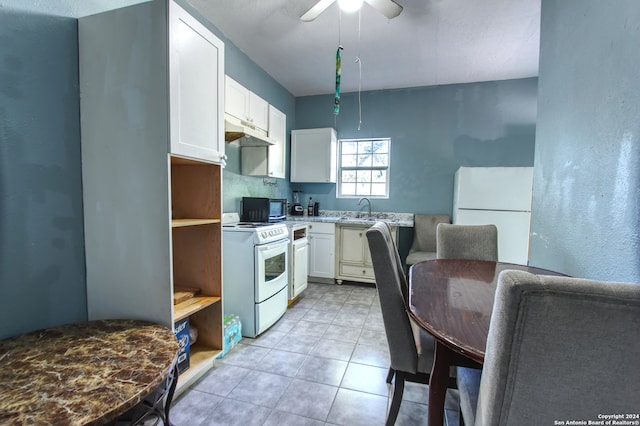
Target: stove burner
[
  {"x": 247, "y": 224},
  {"x": 252, "y": 224}
]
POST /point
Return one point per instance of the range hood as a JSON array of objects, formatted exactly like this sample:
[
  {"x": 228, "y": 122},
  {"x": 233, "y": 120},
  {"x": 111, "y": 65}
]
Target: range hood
[{"x": 244, "y": 133}]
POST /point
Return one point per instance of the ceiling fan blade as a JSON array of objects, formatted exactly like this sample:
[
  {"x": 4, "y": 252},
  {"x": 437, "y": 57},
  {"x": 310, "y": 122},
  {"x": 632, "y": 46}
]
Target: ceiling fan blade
[
  {"x": 316, "y": 10},
  {"x": 388, "y": 8}
]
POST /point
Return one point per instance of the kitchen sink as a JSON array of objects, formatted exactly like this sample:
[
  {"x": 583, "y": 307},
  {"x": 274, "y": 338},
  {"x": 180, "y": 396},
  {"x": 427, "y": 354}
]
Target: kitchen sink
[
  {"x": 355, "y": 220},
  {"x": 361, "y": 219}
]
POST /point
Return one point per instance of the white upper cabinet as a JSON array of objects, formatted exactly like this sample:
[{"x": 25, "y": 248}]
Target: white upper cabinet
[
  {"x": 313, "y": 155},
  {"x": 268, "y": 160},
  {"x": 258, "y": 111},
  {"x": 196, "y": 83},
  {"x": 236, "y": 101},
  {"x": 245, "y": 105},
  {"x": 277, "y": 152}
]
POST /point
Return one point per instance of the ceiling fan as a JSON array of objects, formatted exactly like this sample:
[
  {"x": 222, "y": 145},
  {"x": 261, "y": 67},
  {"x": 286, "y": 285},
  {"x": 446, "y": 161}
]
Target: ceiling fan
[{"x": 388, "y": 8}]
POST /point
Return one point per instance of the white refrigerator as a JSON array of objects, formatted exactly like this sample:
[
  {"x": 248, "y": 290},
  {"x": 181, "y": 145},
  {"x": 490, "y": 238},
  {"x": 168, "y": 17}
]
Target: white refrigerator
[{"x": 499, "y": 196}]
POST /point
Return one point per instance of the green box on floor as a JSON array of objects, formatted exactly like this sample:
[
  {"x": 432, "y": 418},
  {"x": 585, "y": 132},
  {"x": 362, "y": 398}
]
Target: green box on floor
[{"x": 232, "y": 333}]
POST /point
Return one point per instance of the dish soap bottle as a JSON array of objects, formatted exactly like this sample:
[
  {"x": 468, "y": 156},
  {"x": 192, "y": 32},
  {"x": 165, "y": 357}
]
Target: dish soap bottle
[{"x": 310, "y": 207}]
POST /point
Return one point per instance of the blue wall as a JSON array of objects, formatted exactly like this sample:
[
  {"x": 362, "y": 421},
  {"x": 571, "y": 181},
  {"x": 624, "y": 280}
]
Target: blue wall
[
  {"x": 42, "y": 270},
  {"x": 433, "y": 131},
  {"x": 586, "y": 189},
  {"x": 586, "y": 200},
  {"x": 42, "y": 266}
]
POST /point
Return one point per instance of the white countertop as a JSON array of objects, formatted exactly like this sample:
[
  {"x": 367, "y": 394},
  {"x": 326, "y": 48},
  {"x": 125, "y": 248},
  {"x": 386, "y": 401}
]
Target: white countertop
[{"x": 357, "y": 218}]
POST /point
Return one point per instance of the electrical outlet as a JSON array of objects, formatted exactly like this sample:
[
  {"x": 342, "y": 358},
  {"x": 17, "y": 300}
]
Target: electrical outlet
[{"x": 269, "y": 181}]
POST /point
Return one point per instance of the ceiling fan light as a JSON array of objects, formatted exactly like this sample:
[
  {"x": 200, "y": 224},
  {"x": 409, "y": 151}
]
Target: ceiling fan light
[{"x": 349, "y": 6}]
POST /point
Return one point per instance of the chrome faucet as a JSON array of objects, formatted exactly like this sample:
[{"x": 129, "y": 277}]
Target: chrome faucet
[{"x": 368, "y": 202}]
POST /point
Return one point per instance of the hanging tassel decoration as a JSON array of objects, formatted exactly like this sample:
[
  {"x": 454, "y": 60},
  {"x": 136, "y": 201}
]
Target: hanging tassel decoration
[{"x": 336, "y": 100}]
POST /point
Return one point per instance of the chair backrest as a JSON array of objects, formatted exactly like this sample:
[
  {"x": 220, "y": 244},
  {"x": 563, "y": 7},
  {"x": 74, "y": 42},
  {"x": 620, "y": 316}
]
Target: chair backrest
[
  {"x": 560, "y": 348},
  {"x": 424, "y": 231},
  {"x": 475, "y": 242},
  {"x": 391, "y": 286}
]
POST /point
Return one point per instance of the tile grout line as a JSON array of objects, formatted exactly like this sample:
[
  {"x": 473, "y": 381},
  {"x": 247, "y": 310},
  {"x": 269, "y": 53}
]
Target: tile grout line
[{"x": 359, "y": 298}]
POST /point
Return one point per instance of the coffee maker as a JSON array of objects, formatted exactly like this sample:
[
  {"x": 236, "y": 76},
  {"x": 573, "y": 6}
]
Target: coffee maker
[{"x": 297, "y": 209}]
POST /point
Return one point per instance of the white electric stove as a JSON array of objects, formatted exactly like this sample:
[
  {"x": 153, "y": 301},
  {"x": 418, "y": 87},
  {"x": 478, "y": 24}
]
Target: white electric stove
[{"x": 255, "y": 272}]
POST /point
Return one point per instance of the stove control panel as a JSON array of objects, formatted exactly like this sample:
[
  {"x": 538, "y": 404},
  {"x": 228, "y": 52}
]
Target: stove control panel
[{"x": 272, "y": 233}]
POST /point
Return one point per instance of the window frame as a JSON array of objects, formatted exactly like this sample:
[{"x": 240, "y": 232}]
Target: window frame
[{"x": 387, "y": 168}]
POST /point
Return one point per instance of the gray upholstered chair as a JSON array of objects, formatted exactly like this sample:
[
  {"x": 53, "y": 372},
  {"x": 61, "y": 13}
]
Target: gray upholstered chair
[
  {"x": 476, "y": 242},
  {"x": 560, "y": 348},
  {"x": 423, "y": 246},
  {"x": 410, "y": 348}
]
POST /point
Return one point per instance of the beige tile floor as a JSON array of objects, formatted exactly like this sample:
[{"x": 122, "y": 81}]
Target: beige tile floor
[{"x": 323, "y": 363}]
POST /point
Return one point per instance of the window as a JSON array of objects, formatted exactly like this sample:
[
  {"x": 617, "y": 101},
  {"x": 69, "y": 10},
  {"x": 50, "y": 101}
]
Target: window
[{"x": 364, "y": 168}]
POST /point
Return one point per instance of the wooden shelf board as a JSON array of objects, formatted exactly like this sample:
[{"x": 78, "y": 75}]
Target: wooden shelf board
[
  {"x": 193, "y": 305},
  {"x": 178, "y": 160},
  {"x": 201, "y": 359},
  {"x": 176, "y": 223}
]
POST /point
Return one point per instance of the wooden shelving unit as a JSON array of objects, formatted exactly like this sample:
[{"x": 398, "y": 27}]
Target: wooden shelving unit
[
  {"x": 196, "y": 237},
  {"x": 152, "y": 210},
  {"x": 193, "y": 305},
  {"x": 177, "y": 223}
]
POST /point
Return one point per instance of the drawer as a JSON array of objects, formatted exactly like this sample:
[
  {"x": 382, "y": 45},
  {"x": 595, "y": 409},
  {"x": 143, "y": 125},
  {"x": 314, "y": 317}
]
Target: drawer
[
  {"x": 357, "y": 271},
  {"x": 321, "y": 228}
]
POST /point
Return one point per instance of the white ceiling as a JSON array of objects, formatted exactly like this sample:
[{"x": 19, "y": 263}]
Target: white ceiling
[{"x": 432, "y": 42}]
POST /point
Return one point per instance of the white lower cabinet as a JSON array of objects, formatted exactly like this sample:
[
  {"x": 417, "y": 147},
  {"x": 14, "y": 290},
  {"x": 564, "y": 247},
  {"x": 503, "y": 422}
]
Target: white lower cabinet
[
  {"x": 353, "y": 262},
  {"x": 322, "y": 250},
  {"x": 299, "y": 267}
]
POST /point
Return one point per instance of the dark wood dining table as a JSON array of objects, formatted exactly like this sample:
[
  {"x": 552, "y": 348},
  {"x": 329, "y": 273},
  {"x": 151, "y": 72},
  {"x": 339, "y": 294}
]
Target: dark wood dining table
[
  {"x": 452, "y": 299},
  {"x": 87, "y": 373}
]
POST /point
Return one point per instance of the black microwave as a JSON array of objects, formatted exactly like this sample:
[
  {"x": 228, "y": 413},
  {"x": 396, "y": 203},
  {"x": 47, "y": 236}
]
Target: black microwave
[{"x": 257, "y": 209}]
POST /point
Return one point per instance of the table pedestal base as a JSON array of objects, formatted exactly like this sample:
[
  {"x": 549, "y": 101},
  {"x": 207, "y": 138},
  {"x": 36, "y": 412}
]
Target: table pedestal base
[
  {"x": 438, "y": 384},
  {"x": 157, "y": 404},
  {"x": 444, "y": 359}
]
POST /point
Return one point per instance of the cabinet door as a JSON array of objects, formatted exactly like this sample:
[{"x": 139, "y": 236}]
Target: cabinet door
[
  {"x": 258, "y": 111},
  {"x": 268, "y": 161},
  {"x": 196, "y": 88},
  {"x": 277, "y": 152},
  {"x": 321, "y": 255},
  {"x": 313, "y": 155},
  {"x": 367, "y": 251},
  {"x": 352, "y": 245},
  {"x": 236, "y": 99},
  {"x": 300, "y": 266}
]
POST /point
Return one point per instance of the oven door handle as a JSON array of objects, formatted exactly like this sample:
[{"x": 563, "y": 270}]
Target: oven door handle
[{"x": 278, "y": 245}]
